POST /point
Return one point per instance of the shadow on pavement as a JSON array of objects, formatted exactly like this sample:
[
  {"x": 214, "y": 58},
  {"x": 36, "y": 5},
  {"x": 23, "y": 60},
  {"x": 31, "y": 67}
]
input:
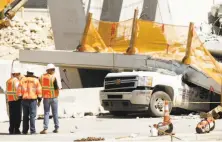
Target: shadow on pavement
[
  {"x": 4, "y": 133},
  {"x": 179, "y": 112},
  {"x": 129, "y": 116}
]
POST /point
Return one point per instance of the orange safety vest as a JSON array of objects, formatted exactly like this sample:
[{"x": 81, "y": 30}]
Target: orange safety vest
[
  {"x": 11, "y": 89},
  {"x": 48, "y": 90},
  {"x": 30, "y": 88}
]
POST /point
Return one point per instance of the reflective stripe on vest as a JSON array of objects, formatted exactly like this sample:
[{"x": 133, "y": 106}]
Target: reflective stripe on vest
[
  {"x": 48, "y": 90},
  {"x": 11, "y": 90}
]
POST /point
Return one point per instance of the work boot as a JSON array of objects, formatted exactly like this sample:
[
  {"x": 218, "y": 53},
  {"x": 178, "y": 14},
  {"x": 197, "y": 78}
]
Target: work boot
[
  {"x": 24, "y": 132},
  {"x": 33, "y": 133},
  {"x": 17, "y": 132},
  {"x": 43, "y": 131},
  {"x": 11, "y": 133},
  {"x": 55, "y": 131}
]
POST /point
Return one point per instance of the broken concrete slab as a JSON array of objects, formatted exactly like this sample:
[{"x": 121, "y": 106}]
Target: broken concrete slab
[{"x": 76, "y": 102}]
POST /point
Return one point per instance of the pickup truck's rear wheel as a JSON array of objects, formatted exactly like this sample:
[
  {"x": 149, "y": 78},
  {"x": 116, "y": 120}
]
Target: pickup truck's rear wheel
[
  {"x": 119, "y": 113},
  {"x": 156, "y": 108}
]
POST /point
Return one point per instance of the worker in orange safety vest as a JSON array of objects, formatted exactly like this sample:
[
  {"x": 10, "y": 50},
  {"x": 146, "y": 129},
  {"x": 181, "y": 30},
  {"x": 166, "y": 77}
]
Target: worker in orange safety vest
[
  {"x": 50, "y": 93},
  {"x": 14, "y": 102},
  {"x": 31, "y": 93}
]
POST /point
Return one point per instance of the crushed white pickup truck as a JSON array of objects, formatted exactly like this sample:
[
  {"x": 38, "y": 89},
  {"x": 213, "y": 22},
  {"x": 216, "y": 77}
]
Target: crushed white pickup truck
[{"x": 145, "y": 91}]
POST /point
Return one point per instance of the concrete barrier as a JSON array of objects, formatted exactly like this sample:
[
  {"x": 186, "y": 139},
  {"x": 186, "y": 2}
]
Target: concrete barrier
[
  {"x": 3, "y": 109},
  {"x": 77, "y": 102}
]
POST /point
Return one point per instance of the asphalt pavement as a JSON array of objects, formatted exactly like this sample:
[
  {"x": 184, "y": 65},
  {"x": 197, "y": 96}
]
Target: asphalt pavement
[{"x": 110, "y": 128}]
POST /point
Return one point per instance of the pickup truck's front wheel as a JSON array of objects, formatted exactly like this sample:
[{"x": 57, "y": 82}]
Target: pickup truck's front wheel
[{"x": 156, "y": 108}]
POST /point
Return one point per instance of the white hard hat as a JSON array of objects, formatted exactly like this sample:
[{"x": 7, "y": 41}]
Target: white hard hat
[
  {"x": 16, "y": 70},
  {"x": 50, "y": 66}
]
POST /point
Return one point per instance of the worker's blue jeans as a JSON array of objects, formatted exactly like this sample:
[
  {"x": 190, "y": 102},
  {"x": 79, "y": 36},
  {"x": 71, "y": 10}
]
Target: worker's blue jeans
[
  {"x": 53, "y": 103},
  {"x": 29, "y": 113}
]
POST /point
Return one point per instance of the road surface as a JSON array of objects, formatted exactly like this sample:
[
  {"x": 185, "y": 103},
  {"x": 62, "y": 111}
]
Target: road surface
[{"x": 111, "y": 128}]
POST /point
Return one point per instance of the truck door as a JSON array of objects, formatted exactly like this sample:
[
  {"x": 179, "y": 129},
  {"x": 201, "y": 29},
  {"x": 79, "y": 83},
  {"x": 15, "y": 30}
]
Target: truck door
[{"x": 195, "y": 98}]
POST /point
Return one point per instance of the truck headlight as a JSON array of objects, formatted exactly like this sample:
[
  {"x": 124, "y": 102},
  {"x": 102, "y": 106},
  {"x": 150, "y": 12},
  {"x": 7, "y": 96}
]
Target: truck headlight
[
  {"x": 149, "y": 81},
  {"x": 145, "y": 81}
]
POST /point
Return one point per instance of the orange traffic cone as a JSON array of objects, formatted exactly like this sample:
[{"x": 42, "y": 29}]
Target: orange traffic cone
[
  {"x": 165, "y": 127},
  {"x": 166, "y": 118}
]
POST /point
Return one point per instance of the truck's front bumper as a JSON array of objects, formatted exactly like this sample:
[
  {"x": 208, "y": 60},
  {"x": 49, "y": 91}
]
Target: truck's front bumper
[
  {"x": 135, "y": 101},
  {"x": 120, "y": 105}
]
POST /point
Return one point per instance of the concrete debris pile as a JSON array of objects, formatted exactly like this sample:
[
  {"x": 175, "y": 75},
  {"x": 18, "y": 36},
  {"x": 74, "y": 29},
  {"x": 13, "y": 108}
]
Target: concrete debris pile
[
  {"x": 207, "y": 34},
  {"x": 210, "y": 38},
  {"x": 31, "y": 35},
  {"x": 91, "y": 139}
]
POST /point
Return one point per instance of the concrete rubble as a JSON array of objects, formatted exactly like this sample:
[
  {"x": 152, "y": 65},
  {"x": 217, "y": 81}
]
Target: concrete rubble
[
  {"x": 35, "y": 34},
  {"x": 90, "y": 139},
  {"x": 204, "y": 31},
  {"x": 209, "y": 37}
]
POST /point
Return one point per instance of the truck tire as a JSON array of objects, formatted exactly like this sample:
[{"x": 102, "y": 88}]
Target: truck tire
[
  {"x": 156, "y": 107},
  {"x": 118, "y": 113}
]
